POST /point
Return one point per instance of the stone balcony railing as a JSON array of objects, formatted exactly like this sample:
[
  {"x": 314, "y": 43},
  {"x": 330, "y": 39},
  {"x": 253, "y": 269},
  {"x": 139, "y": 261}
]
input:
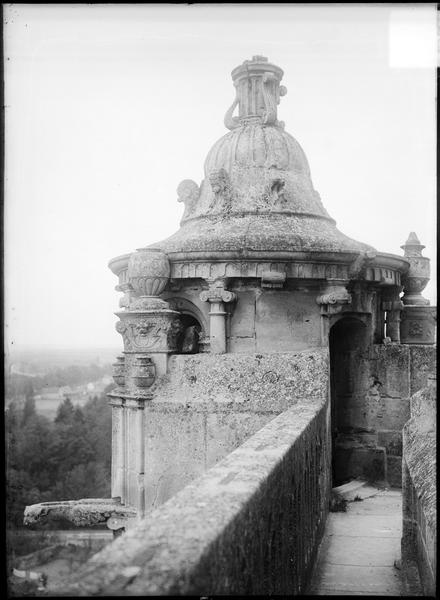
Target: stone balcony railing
[{"x": 250, "y": 525}]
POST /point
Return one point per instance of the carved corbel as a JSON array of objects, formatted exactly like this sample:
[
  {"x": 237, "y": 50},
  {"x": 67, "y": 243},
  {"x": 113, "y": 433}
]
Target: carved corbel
[
  {"x": 334, "y": 298},
  {"x": 272, "y": 279}
]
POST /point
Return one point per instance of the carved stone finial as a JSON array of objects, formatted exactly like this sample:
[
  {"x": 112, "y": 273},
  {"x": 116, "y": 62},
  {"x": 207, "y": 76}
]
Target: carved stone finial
[
  {"x": 148, "y": 273},
  {"x": 258, "y": 92},
  {"x": 412, "y": 247},
  {"x": 417, "y": 277},
  {"x": 188, "y": 192}
]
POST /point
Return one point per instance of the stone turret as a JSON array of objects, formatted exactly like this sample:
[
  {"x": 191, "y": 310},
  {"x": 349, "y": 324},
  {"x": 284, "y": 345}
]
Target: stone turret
[
  {"x": 258, "y": 277},
  {"x": 255, "y": 224}
]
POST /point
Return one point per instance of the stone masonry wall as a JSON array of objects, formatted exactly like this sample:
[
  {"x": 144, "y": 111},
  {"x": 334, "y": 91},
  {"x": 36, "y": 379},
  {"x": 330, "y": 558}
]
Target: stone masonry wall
[
  {"x": 250, "y": 525},
  {"x": 396, "y": 372},
  {"x": 419, "y": 487},
  {"x": 208, "y": 405},
  {"x": 401, "y": 370}
]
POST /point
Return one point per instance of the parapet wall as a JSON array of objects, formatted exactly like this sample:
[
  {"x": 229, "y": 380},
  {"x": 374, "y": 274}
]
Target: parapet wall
[
  {"x": 207, "y": 405},
  {"x": 250, "y": 525},
  {"x": 419, "y": 487}
]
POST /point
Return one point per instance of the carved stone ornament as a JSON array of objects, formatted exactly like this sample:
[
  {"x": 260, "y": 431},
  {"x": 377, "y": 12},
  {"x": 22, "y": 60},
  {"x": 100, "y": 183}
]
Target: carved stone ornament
[
  {"x": 275, "y": 193},
  {"x": 418, "y": 324},
  {"x": 118, "y": 371},
  {"x": 335, "y": 296},
  {"x": 144, "y": 372},
  {"x": 149, "y": 272},
  {"x": 221, "y": 186},
  {"x": 417, "y": 277},
  {"x": 188, "y": 192},
  {"x": 81, "y": 513},
  {"x": 230, "y": 121},
  {"x": 217, "y": 293},
  {"x": 272, "y": 279},
  {"x": 415, "y": 329},
  {"x": 143, "y": 333},
  {"x": 175, "y": 335},
  {"x": 258, "y": 91}
]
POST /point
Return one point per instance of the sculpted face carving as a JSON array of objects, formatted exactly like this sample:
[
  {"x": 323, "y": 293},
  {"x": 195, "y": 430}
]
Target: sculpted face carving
[
  {"x": 188, "y": 192},
  {"x": 221, "y": 186},
  {"x": 275, "y": 193}
]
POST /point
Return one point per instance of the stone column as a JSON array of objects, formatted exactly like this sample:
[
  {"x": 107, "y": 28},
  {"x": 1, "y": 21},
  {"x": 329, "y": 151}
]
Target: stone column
[
  {"x": 418, "y": 318},
  {"x": 217, "y": 295},
  {"x": 145, "y": 325},
  {"x": 118, "y": 455},
  {"x": 136, "y": 463},
  {"x": 392, "y": 305}
]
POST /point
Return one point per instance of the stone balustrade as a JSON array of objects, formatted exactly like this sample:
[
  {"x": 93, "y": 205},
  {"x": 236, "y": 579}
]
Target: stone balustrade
[{"x": 250, "y": 525}]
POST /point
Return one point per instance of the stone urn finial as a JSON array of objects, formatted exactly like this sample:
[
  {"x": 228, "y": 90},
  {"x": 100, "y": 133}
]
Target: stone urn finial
[
  {"x": 148, "y": 274},
  {"x": 417, "y": 277},
  {"x": 412, "y": 247},
  {"x": 258, "y": 91}
]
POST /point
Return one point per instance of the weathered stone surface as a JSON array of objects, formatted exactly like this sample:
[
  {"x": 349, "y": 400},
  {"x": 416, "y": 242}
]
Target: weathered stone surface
[
  {"x": 238, "y": 529},
  {"x": 423, "y": 364},
  {"x": 81, "y": 513},
  {"x": 257, "y": 382},
  {"x": 368, "y": 463},
  {"x": 419, "y": 486},
  {"x": 286, "y": 321},
  {"x": 227, "y": 431},
  {"x": 391, "y": 441},
  {"x": 208, "y": 405},
  {"x": 390, "y": 365},
  {"x": 175, "y": 452},
  {"x": 394, "y": 470}
]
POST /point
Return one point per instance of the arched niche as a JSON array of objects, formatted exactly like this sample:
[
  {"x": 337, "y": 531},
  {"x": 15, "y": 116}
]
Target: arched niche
[{"x": 190, "y": 316}]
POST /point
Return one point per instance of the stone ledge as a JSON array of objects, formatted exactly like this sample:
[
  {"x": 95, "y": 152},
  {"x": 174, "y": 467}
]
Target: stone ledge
[{"x": 81, "y": 513}]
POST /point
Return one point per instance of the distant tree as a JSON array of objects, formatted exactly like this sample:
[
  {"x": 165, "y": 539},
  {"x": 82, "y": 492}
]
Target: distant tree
[
  {"x": 65, "y": 412},
  {"x": 67, "y": 459}
]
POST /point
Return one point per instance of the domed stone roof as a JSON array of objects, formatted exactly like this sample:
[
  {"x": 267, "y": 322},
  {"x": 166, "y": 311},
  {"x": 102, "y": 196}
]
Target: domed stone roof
[{"x": 257, "y": 194}]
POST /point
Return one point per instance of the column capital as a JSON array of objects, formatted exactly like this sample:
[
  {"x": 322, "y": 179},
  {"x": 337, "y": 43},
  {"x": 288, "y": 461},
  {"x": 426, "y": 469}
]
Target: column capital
[{"x": 217, "y": 292}]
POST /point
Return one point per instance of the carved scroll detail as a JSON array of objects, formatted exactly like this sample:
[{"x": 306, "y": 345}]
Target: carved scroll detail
[
  {"x": 270, "y": 100},
  {"x": 230, "y": 121}
]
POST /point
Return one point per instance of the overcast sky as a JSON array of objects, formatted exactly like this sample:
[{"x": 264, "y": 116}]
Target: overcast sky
[{"x": 109, "y": 107}]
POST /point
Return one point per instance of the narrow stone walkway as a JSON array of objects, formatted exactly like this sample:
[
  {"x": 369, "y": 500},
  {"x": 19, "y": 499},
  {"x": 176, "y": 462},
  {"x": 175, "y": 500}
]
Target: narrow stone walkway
[{"x": 360, "y": 548}]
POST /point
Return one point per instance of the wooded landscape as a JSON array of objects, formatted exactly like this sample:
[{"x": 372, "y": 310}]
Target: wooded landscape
[{"x": 67, "y": 459}]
